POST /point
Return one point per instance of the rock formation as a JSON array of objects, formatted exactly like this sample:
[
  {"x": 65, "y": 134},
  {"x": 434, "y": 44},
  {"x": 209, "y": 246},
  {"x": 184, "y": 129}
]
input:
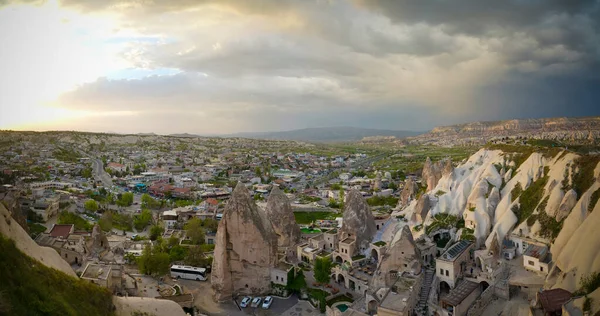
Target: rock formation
[
  {"x": 245, "y": 250},
  {"x": 98, "y": 243},
  {"x": 448, "y": 167},
  {"x": 358, "y": 220},
  {"x": 377, "y": 182},
  {"x": 9, "y": 228},
  {"x": 408, "y": 192},
  {"x": 401, "y": 255},
  {"x": 279, "y": 211},
  {"x": 492, "y": 201},
  {"x": 566, "y": 205},
  {"x": 422, "y": 209},
  {"x": 432, "y": 173}
]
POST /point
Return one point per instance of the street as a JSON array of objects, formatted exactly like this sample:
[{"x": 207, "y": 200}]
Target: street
[
  {"x": 100, "y": 174},
  {"x": 202, "y": 292}
]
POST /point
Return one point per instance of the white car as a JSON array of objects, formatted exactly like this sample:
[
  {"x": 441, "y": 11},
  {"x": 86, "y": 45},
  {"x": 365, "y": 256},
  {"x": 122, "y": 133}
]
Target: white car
[
  {"x": 245, "y": 301},
  {"x": 256, "y": 302},
  {"x": 267, "y": 302}
]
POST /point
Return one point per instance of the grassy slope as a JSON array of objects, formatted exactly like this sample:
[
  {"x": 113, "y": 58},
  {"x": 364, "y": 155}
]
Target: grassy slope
[{"x": 30, "y": 288}]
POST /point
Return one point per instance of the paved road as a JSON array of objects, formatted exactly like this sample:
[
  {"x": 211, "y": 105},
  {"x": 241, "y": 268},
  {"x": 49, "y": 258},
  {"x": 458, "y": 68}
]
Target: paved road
[
  {"x": 203, "y": 300},
  {"x": 100, "y": 174}
]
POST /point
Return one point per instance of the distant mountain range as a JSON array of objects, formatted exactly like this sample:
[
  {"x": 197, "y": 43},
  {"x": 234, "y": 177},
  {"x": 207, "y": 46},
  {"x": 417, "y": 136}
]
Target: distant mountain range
[
  {"x": 326, "y": 134},
  {"x": 559, "y": 128}
]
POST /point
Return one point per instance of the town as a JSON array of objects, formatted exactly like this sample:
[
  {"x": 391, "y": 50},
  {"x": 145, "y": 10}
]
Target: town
[{"x": 230, "y": 226}]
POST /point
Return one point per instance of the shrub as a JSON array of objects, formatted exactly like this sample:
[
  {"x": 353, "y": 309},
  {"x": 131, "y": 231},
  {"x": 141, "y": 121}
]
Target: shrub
[
  {"x": 584, "y": 177},
  {"x": 516, "y": 192},
  {"x": 80, "y": 223},
  {"x": 593, "y": 200},
  {"x": 588, "y": 284},
  {"x": 530, "y": 198}
]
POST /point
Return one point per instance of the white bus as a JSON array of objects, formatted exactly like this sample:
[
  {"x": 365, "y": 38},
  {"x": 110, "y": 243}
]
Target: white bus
[{"x": 187, "y": 272}]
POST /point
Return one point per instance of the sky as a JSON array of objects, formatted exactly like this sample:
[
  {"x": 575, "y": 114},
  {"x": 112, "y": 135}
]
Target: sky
[{"x": 227, "y": 66}]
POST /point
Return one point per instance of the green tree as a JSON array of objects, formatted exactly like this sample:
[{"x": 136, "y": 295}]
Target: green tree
[
  {"x": 126, "y": 199},
  {"x": 196, "y": 257},
  {"x": 91, "y": 205},
  {"x": 177, "y": 253},
  {"x": 210, "y": 224},
  {"x": 194, "y": 230},
  {"x": 322, "y": 270},
  {"x": 106, "y": 221},
  {"x": 154, "y": 262},
  {"x": 155, "y": 232},
  {"x": 142, "y": 220}
]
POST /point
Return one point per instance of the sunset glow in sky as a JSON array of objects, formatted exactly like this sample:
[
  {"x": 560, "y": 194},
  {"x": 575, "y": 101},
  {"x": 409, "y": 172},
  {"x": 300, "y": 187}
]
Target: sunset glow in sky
[{"x": 212, "y": 67}]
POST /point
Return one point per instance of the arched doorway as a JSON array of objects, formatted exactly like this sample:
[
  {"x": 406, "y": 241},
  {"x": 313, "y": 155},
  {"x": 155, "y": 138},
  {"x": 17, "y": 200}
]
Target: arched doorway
[
  {"x": 377, "y": 226},
  {"x": 374, "y": 255},
  {"x": 372, "y": 306},
  {"x": 338, "y": 259},
  {"x": 444, "y": 289},
  {"x": 483, "y": 285},
  {"x": 352, "y": 285},
  {"x": 341, "y": 279}
]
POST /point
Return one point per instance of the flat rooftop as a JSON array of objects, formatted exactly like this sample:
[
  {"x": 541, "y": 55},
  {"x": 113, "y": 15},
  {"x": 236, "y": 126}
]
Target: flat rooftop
[
  {"x": 397, "y": 300},
  {"x": 455, "y": 250},
  {"x": 349, "y": 240},
  {"x": 460, "y": 292},
  {"x": 96, "y": 271}
]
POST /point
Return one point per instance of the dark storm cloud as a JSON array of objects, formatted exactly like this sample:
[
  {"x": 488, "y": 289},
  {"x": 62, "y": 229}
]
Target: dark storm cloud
[{"x": 264, "y": 65}]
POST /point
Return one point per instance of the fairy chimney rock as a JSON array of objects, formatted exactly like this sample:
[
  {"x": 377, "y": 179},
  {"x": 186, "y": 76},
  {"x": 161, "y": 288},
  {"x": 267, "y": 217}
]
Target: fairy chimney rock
[
  {"x": 245, "y": 250},
  {"x": 279, "y": 211}
]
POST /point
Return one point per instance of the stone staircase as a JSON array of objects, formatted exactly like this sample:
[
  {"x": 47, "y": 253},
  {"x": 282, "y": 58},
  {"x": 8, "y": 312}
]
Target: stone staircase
[{"x": 425, "y": 289}]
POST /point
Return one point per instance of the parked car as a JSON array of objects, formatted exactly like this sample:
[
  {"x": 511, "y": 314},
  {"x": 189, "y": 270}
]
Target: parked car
[
  {"x": 256, "y": 302},
  {"x": 245, "y": 301},
  {"x": 267, "y": 302}
]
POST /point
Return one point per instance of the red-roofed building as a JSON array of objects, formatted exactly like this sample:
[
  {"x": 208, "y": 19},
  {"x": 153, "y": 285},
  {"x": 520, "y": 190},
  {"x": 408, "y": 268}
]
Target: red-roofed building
[
  {"x": 553, "y": 300},
  {"x": 62, "y": 230},
  {"x": 116, "y": 166},
  {"x": 181, "y": 192}
]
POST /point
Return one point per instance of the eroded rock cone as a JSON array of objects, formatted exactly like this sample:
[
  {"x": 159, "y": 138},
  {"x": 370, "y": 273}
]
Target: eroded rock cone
[
  {"x": 358, "y": 220},
  {"x": 279, "y": 211},
  {"x": 245, "y": 250},
  {"x": 401, "y": 255},
  {"x": 408, "y": 192}
]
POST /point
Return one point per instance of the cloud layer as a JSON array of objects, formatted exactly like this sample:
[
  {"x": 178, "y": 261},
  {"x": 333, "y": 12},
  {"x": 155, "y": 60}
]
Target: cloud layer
[{"x": 236, "y": 65}]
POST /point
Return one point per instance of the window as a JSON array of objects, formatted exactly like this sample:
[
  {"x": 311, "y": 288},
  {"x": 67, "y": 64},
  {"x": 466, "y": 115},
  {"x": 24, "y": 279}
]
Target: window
[
  {"x": 442, "y": 271},
  {"x": 541, "y": 268},
  {"x": 406, "y": 265},
  {"x": 447, "y": 272},
  {"x": 531, "y": 263}
]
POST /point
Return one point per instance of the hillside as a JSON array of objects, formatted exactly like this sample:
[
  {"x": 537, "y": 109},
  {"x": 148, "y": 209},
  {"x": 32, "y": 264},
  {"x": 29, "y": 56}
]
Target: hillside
[
  {"x": 568, "y": 129},
  {"x": 544, "y": 194},
  {"x": 30, "y": 288},
  {"x": 326, "y": 134},
  {"x": 36, "y": 281}
]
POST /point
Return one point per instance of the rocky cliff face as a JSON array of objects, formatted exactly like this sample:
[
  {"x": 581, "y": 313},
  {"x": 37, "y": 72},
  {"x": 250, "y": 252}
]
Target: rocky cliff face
[
  {"x": 279, "y": 211},
  {"x": 582, "y": 129},
  {"x": 245, "y": 250},
  {"x": 401, "y": 255},
  {"x": 432, "y": 173},
  {"x": 408, "y": 192},
  {"x": 358, "y": 220},
  {"x": 553, "y": 205}
]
